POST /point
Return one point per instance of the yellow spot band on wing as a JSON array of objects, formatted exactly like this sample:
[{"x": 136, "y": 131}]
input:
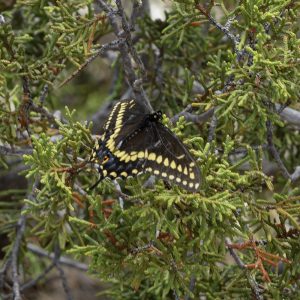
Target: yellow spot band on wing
[
  {"x": 159, "y": 159},
  {"x": 173, "y": 164},
  {"x": 152, "y": 156},
  {"x": 166, "y": 162}
]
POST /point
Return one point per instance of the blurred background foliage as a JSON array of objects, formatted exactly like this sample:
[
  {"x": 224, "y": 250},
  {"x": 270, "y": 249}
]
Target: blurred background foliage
[{"x": 240, "y": 58}]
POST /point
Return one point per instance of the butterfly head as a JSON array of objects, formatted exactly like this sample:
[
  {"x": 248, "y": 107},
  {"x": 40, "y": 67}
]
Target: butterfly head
[{"x": 156, "y": 116}]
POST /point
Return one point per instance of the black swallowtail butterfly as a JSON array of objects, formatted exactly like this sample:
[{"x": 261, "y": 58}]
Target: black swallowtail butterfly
[{"x": 135, "y": 141}]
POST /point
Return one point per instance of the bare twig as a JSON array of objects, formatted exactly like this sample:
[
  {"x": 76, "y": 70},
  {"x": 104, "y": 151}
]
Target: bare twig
[
  {"x": 176, "y": 297},
  {"x": 43, "y": 94},
  {"x": 4, "y": 150},
  {"x": 191, "y": 287},
  {"x": 44, "y": 112},
  {"x": 136, "y": 12},
  {"x": 120, "y": 193},
  {"x": 236, "y": 258},
  {"x": 198, "y": 119},
  {"x": 3, "y": 271},
  {"x": 62, "y": 259},
  {"x": 126, "y": 49},
  {"x": 274, "y": 151},
  {"x": 289, "y": 115},
  {"x": 256, "y": 290},
  {"x": 293, "y": 116},
  {"x": 64, "y": 282},
  {"x": 17, "y": 244},
  {"x": 34, "y": 281},
  {"x": 114, "y": 45},
  {"x": 212, "y": 127},
  {"x": 14, "y": 257},
  {"x": 57, "y": 253},
  {"x": 225, "y": 29},
  {"x": 127, "y": 31}
]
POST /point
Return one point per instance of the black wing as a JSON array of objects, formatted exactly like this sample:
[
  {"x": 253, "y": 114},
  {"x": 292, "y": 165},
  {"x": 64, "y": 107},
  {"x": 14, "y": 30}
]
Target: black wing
[
  {"x": 163, "y": 155},
  {"x": 125, "y": 118},
  {"x": 136, "y": 143}
]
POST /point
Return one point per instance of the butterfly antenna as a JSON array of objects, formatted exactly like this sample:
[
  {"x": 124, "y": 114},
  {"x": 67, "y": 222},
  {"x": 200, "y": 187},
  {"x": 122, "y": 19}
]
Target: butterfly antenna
[{"x": 95, "y": 184}]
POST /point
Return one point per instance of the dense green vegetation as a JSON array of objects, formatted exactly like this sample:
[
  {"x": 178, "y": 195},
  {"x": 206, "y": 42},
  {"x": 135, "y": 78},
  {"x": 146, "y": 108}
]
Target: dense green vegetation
[{"x": 225, "y": 74}]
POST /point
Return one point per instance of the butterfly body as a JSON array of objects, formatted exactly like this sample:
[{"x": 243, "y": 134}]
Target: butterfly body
[{"x": 135, "y": 141}]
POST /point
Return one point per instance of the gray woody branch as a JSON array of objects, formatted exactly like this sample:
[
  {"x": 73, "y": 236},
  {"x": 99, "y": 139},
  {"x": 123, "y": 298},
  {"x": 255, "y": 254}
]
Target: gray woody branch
[{"x": 126, "y": 47}]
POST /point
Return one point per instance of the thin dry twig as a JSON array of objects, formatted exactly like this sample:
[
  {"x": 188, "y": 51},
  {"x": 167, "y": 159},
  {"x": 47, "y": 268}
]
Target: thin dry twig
[
  {"x": 225, "y": 29},
  {"x": 212, "y": 127},
  {"x": 256, "y": 290},
  {"x": 4, "y": 150},
  {"x": 293, "y": 177},
  {"x": 114, "y": 45},
  {"x": 12, "y": 261},
  {"x": 261, "y": 256},
  {"x": 62, "y": 259}
]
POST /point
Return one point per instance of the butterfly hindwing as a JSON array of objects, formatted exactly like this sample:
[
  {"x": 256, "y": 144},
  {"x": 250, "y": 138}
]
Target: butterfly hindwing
[
  {"x": 173, "y": 160},
  {"x": 164, "y": 156}
]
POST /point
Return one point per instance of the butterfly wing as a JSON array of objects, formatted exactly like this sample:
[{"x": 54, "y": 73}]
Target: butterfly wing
[
  {"x": 163, "y": 155},
  {"x": 134, "y": 144},
  {"x": 125, "y": 119},
  {"x": 172, "y": 161},
  {"x": 126, "y": 114}
]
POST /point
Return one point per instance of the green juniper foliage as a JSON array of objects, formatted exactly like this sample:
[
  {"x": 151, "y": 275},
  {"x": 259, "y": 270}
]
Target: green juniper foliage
[{"x": 237, "y": 59}]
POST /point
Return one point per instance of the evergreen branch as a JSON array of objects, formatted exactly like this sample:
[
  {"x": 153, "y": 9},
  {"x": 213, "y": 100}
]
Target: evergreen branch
[{"x": 170, "y": 216}]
